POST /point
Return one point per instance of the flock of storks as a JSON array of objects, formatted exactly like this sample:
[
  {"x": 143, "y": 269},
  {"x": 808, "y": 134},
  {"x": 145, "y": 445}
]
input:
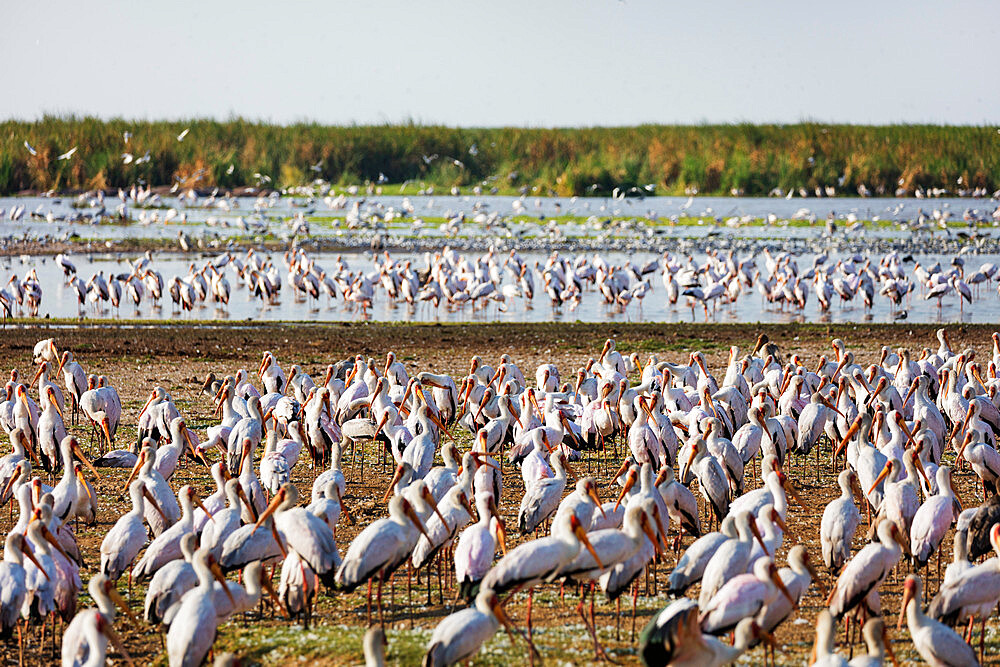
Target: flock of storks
[
  {"x": 450, "y": 281},
  {"x": 701, "y": 500}
]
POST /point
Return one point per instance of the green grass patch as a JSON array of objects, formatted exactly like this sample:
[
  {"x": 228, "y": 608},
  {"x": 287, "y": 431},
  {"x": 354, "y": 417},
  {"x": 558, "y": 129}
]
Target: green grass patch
[{"x": 653, "y": 345}]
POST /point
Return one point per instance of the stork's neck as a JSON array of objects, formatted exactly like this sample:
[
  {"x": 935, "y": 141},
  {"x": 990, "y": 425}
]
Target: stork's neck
[
  {"x": 69, "y": 476},
  {"x": 24, "y": 506},
  {"x": 187, "y": 515},
  {"x": 138, "y": 503}
]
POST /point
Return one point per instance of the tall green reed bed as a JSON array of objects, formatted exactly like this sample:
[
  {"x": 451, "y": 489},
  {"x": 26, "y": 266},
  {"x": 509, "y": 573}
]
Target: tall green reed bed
[{"x": 709, "y": 159}]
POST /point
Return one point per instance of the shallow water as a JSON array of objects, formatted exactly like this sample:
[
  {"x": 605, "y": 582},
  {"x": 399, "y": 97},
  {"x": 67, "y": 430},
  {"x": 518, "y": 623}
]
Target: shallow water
[
  {"x": 59, "y": 299},
  {"x": 222, "y": 218},
  {"x": 719, "y": 225}
]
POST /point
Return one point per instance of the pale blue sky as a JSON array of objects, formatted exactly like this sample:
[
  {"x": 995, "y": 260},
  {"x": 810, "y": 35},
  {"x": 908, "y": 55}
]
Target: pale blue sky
[{"x": 541, "y": 62}]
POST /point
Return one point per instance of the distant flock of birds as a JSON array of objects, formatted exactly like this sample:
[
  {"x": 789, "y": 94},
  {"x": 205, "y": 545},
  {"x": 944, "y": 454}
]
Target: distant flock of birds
[
  {"x": 288, "y": 213},
  {"x": 450, "y": 280},
  {"x": 699, "y": 450}
]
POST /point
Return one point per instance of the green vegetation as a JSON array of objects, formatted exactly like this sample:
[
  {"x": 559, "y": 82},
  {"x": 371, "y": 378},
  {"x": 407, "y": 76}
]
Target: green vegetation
[
  {"x": 712, "y": 159},
  {"x": 667, "y": 344}
]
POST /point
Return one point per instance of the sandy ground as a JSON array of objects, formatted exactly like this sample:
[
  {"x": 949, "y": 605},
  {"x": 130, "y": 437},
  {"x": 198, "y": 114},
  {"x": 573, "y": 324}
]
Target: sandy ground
[{"x": 178, "y": 358}]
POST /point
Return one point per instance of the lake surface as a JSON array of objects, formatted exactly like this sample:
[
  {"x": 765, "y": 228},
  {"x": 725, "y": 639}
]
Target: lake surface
[
  {"x": 224, "y": 217},
  {"x": 799, "y": 226}
]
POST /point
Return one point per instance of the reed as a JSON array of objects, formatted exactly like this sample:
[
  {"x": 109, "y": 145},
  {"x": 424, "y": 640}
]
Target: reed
[{"x": 709, "y": 159}]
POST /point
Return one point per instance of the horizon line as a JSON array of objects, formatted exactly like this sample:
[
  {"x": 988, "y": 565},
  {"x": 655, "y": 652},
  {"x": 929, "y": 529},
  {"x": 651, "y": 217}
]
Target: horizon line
[{"x": 414, "y": 122}]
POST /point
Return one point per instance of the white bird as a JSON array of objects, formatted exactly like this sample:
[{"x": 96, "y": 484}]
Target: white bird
[
  {"x": 73, "y": 496},
  {"x": 839, "y": 523},
  {"x": 10, "y": 464},
  {"x": 298, "y": 585},
  {"x": 45, "y": 350},
  {"x": 797, "y": 578},
  {"x": 732, "y": 558},
  {"x": 274, "y": 468},
  {"x": 168, "y": 455},
  {"x": 329, "y": 506},
  {"x": 936, "y": 643},
  {"x": 477, "y": 545},
  {"x": 126, "y": 538},
  {"x": 381, "y": 547},
  {"x": 933, "y": 519},
  {"x": 74, "y": 377},
  {"x": 824, "y": 654},
  {"x": 973, "y": 594},
  {"x": 863, "y": 574},
  {"x": 540, "y": 560},
  {"x": 691, "y": 566},
  {"x": 153, "y": 481},
  {"x": 13, "y": 582},
  {"x": 673, "y": 637},
  {"x": 171, "y": 582},
  {"x": 305, "y": 533},
  {"x": 334, "y": 473},
  {"x": 984, "y": 459},
  {"x": 231, "y": 598},
  {"x": 610, "y": 546},
  {"x": 167, "y": 545},
  {"x": 85, "y": 641},
  {"x": 743, "y": 596},
  {"x": 40, "y": 578},
  {"x": 541, "y": 499},
  {"x": 878, "y": 644},
  {"x": 455, "y": 514},
  {"x": 682, "y": 506},
  {"x": 192, "y": 633},
  {"x": 900, "y": 499},
  {"x": 460, "y": 635},
  {"x": 712, "y": 482}
]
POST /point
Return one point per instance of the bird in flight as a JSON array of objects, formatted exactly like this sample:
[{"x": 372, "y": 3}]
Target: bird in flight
[
  {"x": 68, "y": 154},
  {"x": 30, "y": 148}
]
